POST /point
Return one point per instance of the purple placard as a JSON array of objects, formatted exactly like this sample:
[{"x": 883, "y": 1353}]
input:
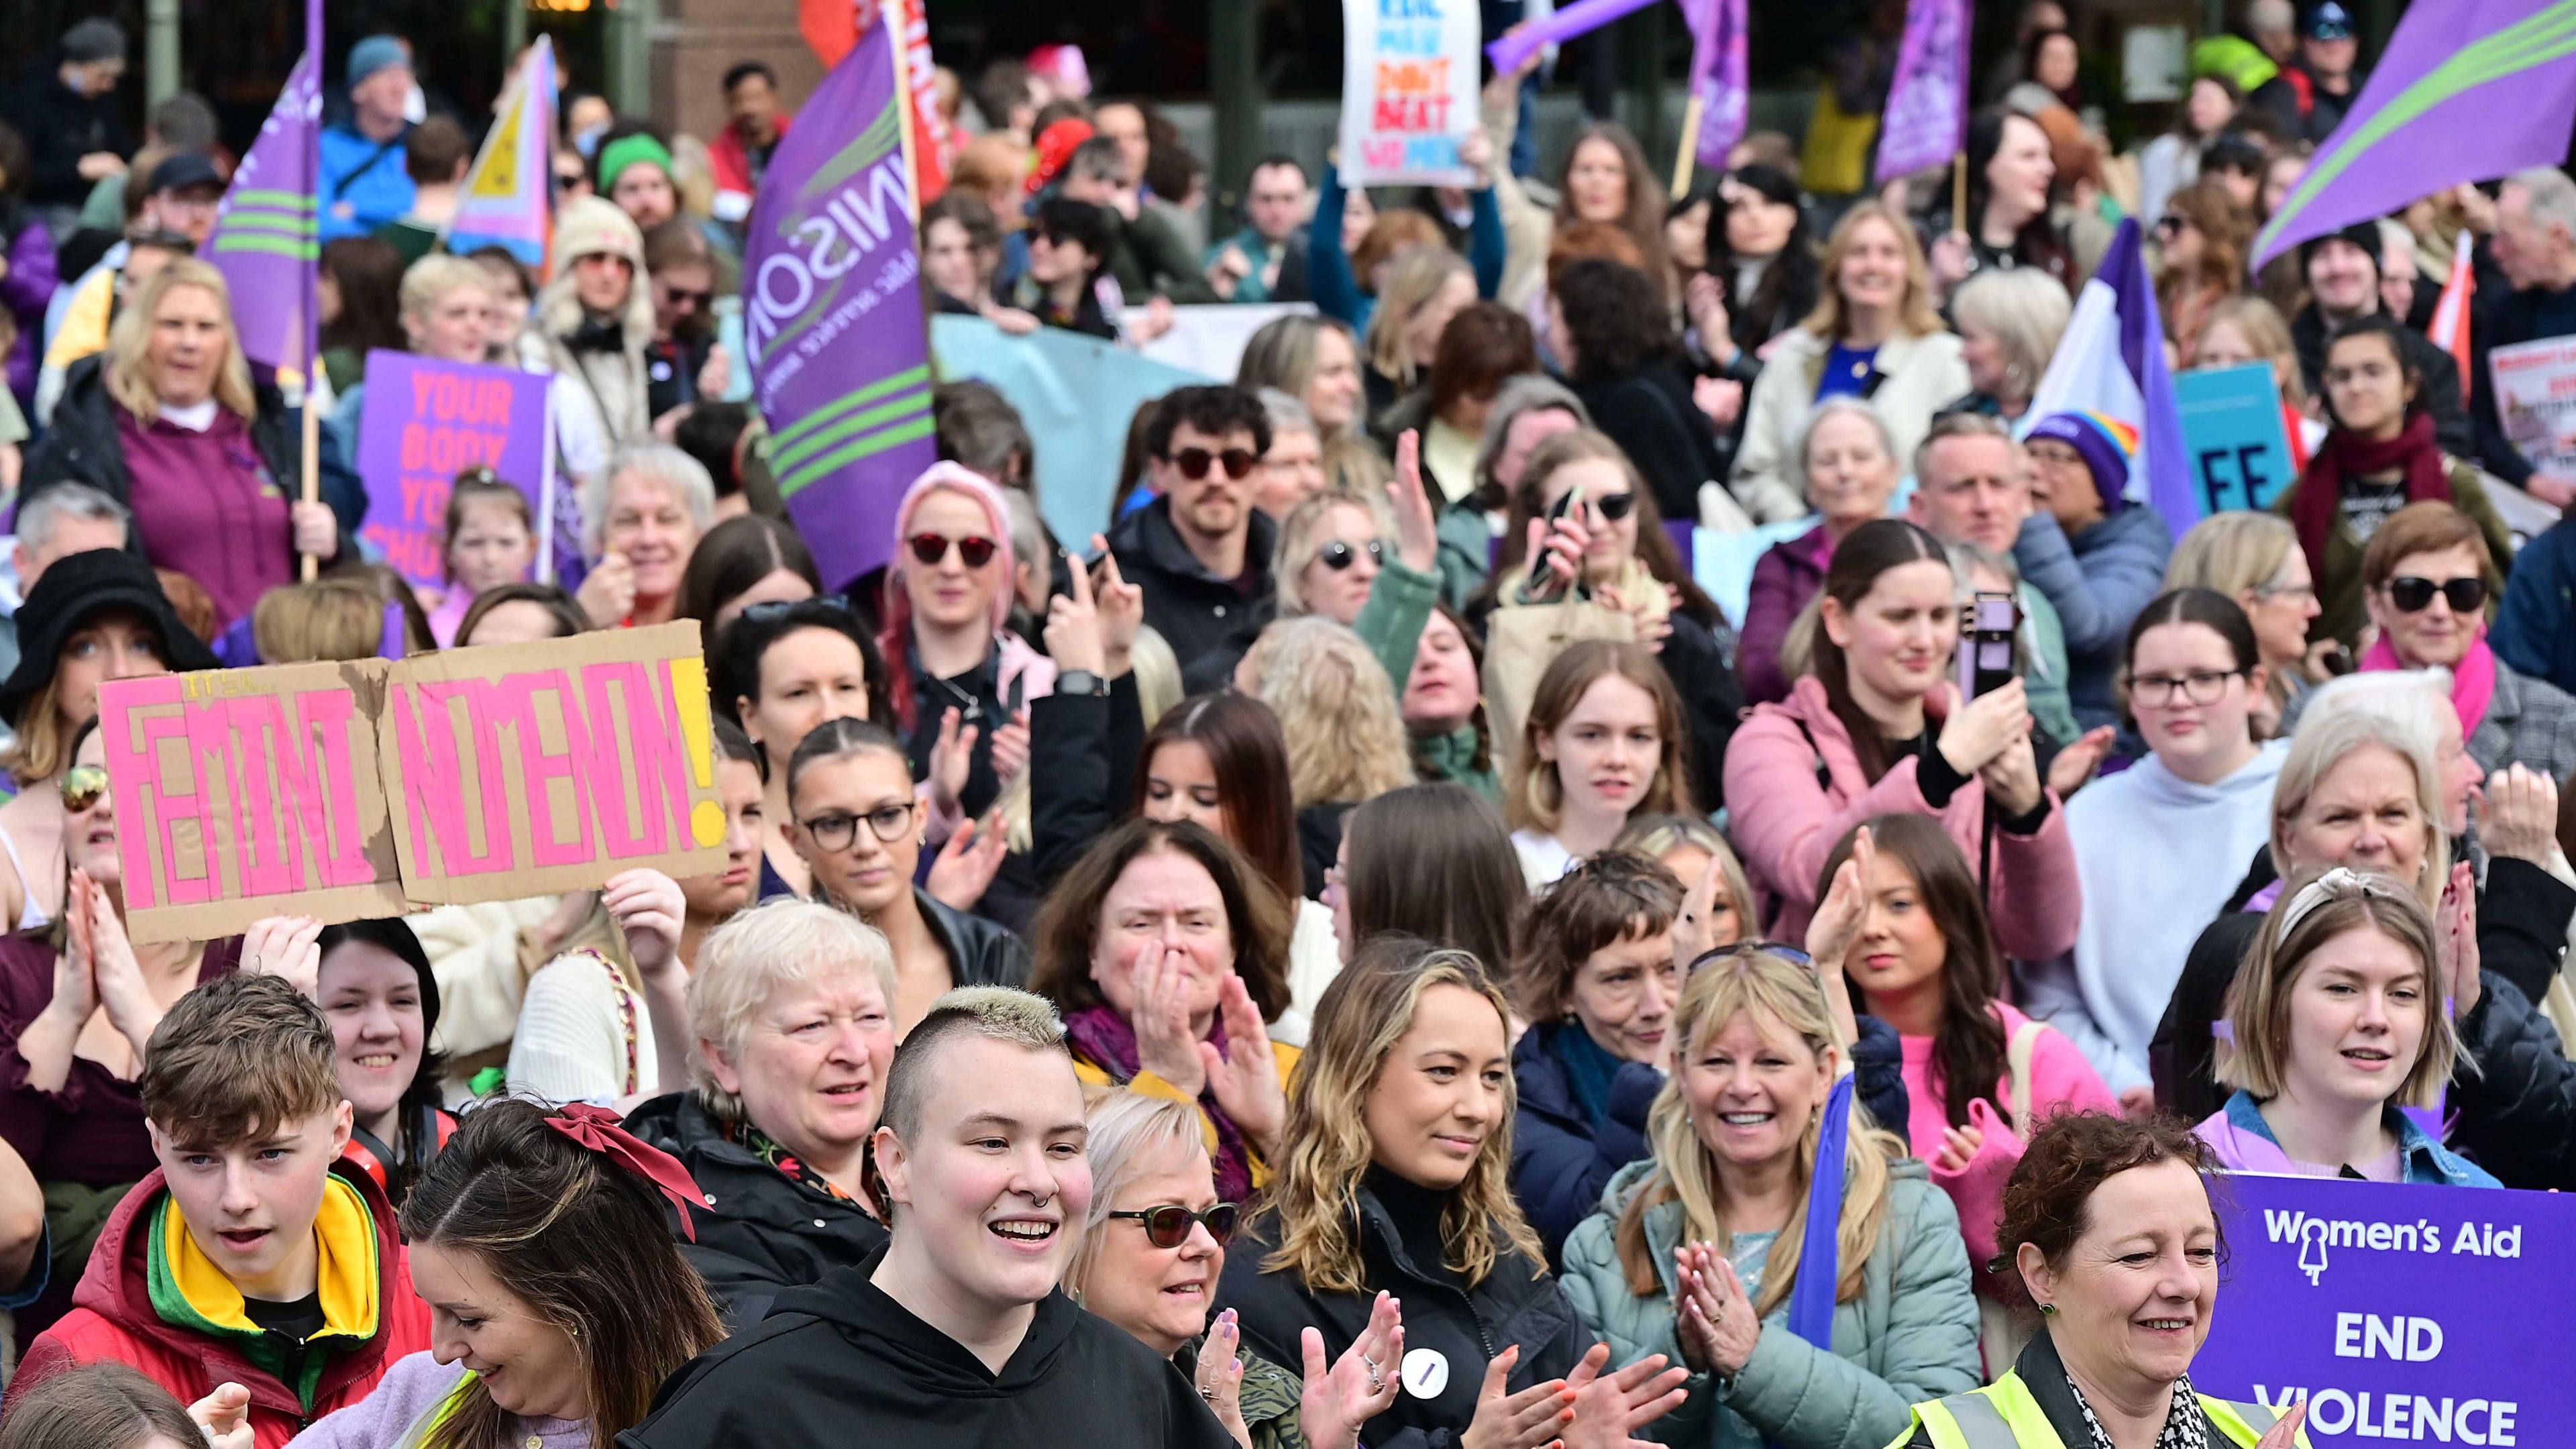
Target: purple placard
[
  {"x": 2419, "y": 1315},
  {"x": 423, "y": 422}
]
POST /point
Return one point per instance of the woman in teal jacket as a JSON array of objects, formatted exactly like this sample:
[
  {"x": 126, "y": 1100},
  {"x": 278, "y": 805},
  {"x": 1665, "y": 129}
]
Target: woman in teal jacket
[{"x": 1716, "y": 1223}]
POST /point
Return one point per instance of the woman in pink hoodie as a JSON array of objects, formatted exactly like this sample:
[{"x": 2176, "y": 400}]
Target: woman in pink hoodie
[
  {"x": 1877, "y": 728},
  {"x": 1980, "y": 1077}
]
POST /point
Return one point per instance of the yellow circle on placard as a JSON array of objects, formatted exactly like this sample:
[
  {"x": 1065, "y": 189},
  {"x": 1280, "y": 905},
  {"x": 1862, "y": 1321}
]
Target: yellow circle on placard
[{"x": 707, "y": 822}]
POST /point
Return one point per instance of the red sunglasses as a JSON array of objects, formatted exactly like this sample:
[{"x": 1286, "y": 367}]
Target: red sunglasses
[{"x": 930, "y": 548}]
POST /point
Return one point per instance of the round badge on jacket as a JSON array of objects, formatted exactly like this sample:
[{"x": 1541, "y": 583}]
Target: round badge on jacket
[{"x": 1426, "y": 1373}]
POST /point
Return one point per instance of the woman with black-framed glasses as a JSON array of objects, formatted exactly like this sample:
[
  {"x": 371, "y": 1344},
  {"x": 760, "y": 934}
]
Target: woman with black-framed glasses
[
  {"x": 1151, "y": 1255},
  {"x": 857, "y": 821}
]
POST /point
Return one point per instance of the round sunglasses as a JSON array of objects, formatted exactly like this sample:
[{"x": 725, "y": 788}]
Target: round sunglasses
[
  {"x": 1168, "y": 1226},
  {"x": 1338, "y": 555},
  {"x": 1195, "y": 462},
  {"x": 929, "y": 548},
  {"x": 81, "y": 787}
]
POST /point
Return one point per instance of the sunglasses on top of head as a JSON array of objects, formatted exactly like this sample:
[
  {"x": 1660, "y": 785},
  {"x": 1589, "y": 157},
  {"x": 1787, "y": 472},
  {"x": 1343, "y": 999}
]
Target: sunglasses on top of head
[
  {"x": 929, "y": 548},
  {"x": 1195, "y": 462},
  {"x": 2412, "y": 595}
]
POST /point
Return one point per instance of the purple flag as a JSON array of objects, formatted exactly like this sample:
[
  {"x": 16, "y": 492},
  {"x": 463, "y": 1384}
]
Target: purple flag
[
  {"x": 2467, "y": 90},
  {"x": 1557, "y": 27},
  {"x": 1927, "y": 101},
  {"x": 1718, "y": 76},
  {"x": 264, "y": 240},
  {"x": 840, "y": 360}
]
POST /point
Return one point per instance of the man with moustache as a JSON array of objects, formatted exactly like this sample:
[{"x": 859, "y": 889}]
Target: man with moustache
[{"x": 1200, "y": 550}]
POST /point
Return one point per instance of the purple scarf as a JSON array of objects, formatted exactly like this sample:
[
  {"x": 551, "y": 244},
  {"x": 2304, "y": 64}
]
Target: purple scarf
[{"x": 1104, "y": 1038}]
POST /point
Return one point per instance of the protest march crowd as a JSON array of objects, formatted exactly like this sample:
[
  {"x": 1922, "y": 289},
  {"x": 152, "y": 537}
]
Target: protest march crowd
[{"x": 1382, "y": 936}]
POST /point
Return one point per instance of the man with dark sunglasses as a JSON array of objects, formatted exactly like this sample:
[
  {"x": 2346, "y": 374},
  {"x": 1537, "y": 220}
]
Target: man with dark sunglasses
[{"x": 1200, "y": 550}]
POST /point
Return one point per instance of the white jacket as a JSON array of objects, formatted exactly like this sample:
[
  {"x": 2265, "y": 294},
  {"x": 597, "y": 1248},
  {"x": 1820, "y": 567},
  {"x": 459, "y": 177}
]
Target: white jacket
[{"x": 1918, "y": 376}]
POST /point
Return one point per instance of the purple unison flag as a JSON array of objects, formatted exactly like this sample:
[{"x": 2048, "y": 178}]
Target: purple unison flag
[
  {"x": 1927, "y": 101},
  {"x": 1718, "y": 76},
  {"x": 2467, "y": 90},
  {"x": 840, "y": 359},
  {"x": 265, "y": 241}
]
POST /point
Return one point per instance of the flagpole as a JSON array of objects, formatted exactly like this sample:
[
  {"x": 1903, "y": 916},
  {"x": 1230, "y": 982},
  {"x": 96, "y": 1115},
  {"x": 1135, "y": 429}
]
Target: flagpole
[
  {"x": 1689, "y": 151},
  {"x": 1959, "y": 192},
  {"x": 896, "y": 17},
  {"x": 312, "y": 441}
]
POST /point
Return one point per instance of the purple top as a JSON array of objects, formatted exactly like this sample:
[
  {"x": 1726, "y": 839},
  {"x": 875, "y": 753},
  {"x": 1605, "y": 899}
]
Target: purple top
[
  {"x": 91, "y": 1131},
  {"x": 24, "y": 290},
  {"x": 1785, "y": 577},
  {"x": 408, "y": 1393},
  {"x": 216, "y": 515}
]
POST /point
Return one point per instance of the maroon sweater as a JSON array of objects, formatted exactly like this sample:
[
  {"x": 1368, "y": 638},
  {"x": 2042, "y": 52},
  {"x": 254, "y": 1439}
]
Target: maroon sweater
[{"x": 209, "y": 507}]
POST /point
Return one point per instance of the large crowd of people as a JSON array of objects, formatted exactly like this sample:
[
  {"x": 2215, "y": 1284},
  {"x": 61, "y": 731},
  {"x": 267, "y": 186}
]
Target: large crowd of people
[{"x": 1372, "y": 940}]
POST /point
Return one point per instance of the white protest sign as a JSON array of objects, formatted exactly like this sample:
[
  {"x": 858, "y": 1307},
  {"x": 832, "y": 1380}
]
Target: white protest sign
[{"x": 1408, "y": 90}]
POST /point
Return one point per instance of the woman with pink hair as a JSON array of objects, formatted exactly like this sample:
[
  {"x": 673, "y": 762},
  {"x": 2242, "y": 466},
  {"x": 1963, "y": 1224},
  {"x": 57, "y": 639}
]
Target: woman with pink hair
[{"x": 958, "y": 680}]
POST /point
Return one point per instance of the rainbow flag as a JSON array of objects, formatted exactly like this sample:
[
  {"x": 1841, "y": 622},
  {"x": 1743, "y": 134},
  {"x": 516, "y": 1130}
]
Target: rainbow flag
[{"x": 508, "y": 194}]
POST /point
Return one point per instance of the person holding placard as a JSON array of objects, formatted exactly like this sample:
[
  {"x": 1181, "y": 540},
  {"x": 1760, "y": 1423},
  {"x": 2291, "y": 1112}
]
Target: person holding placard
[
  {"x": 2341, "y": 1016},
  {"x": 603, "y": 1021}
]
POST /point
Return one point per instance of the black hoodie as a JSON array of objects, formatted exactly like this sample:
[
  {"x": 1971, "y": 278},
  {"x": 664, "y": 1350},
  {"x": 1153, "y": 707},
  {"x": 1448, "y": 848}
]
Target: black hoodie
[{"x": 842, "y": 1363}]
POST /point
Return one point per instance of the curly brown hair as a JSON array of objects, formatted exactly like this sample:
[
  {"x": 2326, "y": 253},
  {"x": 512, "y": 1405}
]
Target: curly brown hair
[{"x": 2046, "y": 1200}]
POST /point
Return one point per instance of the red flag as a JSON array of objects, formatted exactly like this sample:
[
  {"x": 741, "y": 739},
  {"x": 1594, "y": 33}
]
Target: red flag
[
  {"x": 832, "y": 27},
  {"x": 2450, "y": 329}
]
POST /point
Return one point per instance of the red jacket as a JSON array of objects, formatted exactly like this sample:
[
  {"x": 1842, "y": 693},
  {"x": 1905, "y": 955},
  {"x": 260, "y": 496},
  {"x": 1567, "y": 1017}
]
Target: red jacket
[
  {"x": 731, "y": 160},
  {"x": 112, "y": 1318}
]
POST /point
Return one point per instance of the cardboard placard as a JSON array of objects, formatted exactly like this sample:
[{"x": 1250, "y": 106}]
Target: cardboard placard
[
  {"x": 464, "y": 776},
  {"x": 422, "y": 422},
  {"x": 2232, "y": 427}
]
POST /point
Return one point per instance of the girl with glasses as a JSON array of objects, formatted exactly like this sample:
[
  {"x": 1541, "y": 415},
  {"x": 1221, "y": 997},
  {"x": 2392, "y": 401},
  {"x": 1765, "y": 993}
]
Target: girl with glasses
[
  {"x": 1879, "y": 728},
  {"x": 2379, "y": 455},
  {"x": 1152, "y": 1251},
  {"x": 2193, "y": 674},
  {"x": 1764, "y": 1178},
  {"x": 857, "y": 821},
  {"x": 958, "y": 680},
  {"x": 1393, "y": 1172},
  {"x": 2427, "y": 580}
]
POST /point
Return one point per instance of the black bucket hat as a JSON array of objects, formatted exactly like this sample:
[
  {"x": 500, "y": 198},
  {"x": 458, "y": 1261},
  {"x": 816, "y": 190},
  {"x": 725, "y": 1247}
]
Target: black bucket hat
[{"x": 77, "y": 589}]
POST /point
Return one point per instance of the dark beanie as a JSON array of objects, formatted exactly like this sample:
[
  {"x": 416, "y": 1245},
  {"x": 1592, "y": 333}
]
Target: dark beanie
[{"x": 2363, "y": 234}]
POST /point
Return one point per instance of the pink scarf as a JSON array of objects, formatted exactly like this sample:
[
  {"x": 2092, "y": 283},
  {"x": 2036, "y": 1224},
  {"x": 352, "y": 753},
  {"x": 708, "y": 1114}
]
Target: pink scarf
[{"x": 2473, "y": 680}]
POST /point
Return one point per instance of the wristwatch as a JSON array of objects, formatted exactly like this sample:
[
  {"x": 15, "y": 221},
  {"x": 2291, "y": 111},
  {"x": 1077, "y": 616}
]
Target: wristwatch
[{"x": 1080, "y": 682}]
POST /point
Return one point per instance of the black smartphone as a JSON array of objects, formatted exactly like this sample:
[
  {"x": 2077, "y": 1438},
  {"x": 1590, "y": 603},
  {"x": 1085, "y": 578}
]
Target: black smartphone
[
  {"x": 1543, "y": 585},
  {"x": 1986, "y": 644}
]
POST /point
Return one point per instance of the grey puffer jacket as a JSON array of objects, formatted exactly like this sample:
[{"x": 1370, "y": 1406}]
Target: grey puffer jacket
[{"x": 1911, "y": 1335}]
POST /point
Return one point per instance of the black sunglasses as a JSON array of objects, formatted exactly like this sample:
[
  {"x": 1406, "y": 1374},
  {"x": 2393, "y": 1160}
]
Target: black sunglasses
[
  {"x": 930, "y": 548},
  {"x": 2412, "y": 595},
  {"x": 1168, "y": 1226},
  {"x": 1195, "y": 462},
  {"x": 679, "y": 295},
  {"x": 2170, "y": 225},
  {"x": 1338, "y": 555},
  {"x": 1615, "y": 506}
]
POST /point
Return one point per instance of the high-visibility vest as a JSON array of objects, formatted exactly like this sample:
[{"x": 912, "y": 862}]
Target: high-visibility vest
[{"x": 2004, "y": 1415}]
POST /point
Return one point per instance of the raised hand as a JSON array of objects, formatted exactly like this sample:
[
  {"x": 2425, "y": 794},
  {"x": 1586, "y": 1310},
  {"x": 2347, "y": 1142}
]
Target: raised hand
[
  {"x": 1011, "y": 746},
  {"x": 1695, "y": 930},
  {"x": 1839, "y": 916},
  {"x": 1526, "y": 1420},
  {"x": 2455, "y": 931},
  {"x": 952, "y": 756},
  {"x": 287, "y": 946},
  {"x": 1122, "y": 609},
  {"x": 1974, "y": 733},
  {"x": 967, "y": 863},
  {"x": 2075, "y": 764},
  {"x": 1219, "y": 1379},
  {"x": 1359, "y": 1386},
  {"x": 1164, "y": 1043},
  {"x": 224, "y": 1417},
  {"x": 608, "y": 593},
  {"x": 1417, "y": 531},
  {"x": 648, "y": 906},
  {"x": 1610, "y": 1408},
  {"x": 1073, "y": 623},
  {"x": 2518, "y": 814},
  {"x": 1245, "y": 1076},
  {"x": 2284, "y": 1433}
]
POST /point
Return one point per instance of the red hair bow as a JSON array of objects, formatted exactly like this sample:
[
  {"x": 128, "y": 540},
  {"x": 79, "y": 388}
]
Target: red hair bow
[{"x": 600, "y": 1130}]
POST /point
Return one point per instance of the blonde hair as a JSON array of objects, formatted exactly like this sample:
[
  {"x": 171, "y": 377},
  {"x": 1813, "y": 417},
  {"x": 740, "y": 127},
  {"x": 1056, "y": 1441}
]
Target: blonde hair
[
  {"x": 40, "y": 749},
  {"x": 1159, "y": 686},
  {"x": 1661, "y": 835},
  {"x": 1337, "y": 708},
  {"x": 428, "y": 281},
  {"x": 780, "y": 943},
  {"x": 2024, "y": 309},
  {"x": 1296, "y": 539},
  {"x": 2235, "y": 552},
  {"x": 1768, "y": 986},
  {"x": 1129, "y": 1132},
  {"x": 1915, "y": 315},
  {"x": 2327, "y": 736},
  {"x": 2315, "y": 908},
  {"x": 328, "y": 619},
  {"x": 128, "y": 368},
  {"x": 1325, "y": 1148},
  {"x": 1416, "y": 277}
]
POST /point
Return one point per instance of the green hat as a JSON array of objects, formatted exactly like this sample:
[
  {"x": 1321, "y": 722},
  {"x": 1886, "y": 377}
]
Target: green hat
[{"x": 625, "y": 151}]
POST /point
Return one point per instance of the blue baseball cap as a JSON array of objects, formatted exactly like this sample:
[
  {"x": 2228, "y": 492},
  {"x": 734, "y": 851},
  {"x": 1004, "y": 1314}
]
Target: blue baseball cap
[{"x": 2328, "y": 20}]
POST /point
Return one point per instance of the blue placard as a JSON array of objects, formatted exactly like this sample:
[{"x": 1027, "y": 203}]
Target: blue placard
[
  {"x": 2422, "y": 1315},
  {"x": 2231, "y": 426}
]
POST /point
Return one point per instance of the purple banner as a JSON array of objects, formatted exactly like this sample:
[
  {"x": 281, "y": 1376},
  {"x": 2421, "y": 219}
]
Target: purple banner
[
  {"x": 1927, "y": 102},
  {"x": 423, "y": 422},
  {"x": 1718, "y": 77},
  {"x": 2420, "y": 1315},
  {"x": 264, "y": 240},
  {"x": 2428, "y": 116},
  {"x": 1555, "y": 28},
  {"x": 840, "y": 359}
]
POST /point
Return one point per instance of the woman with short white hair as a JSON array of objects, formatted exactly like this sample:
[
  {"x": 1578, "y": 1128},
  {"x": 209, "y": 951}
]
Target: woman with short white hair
[
  {"x": 791, "y": 1006},
  {"x": 642, "y": 516}
]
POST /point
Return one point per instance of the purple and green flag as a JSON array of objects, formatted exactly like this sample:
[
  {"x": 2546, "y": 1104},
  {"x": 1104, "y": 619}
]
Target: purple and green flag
[
  {"x": 1927, "y": 99},
  {"x": 2467, "y": 90},
  {"x": 265, "y": 241},
  {"x": 832, "y": 320},
  {"x": 1718, "y": 77}
]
